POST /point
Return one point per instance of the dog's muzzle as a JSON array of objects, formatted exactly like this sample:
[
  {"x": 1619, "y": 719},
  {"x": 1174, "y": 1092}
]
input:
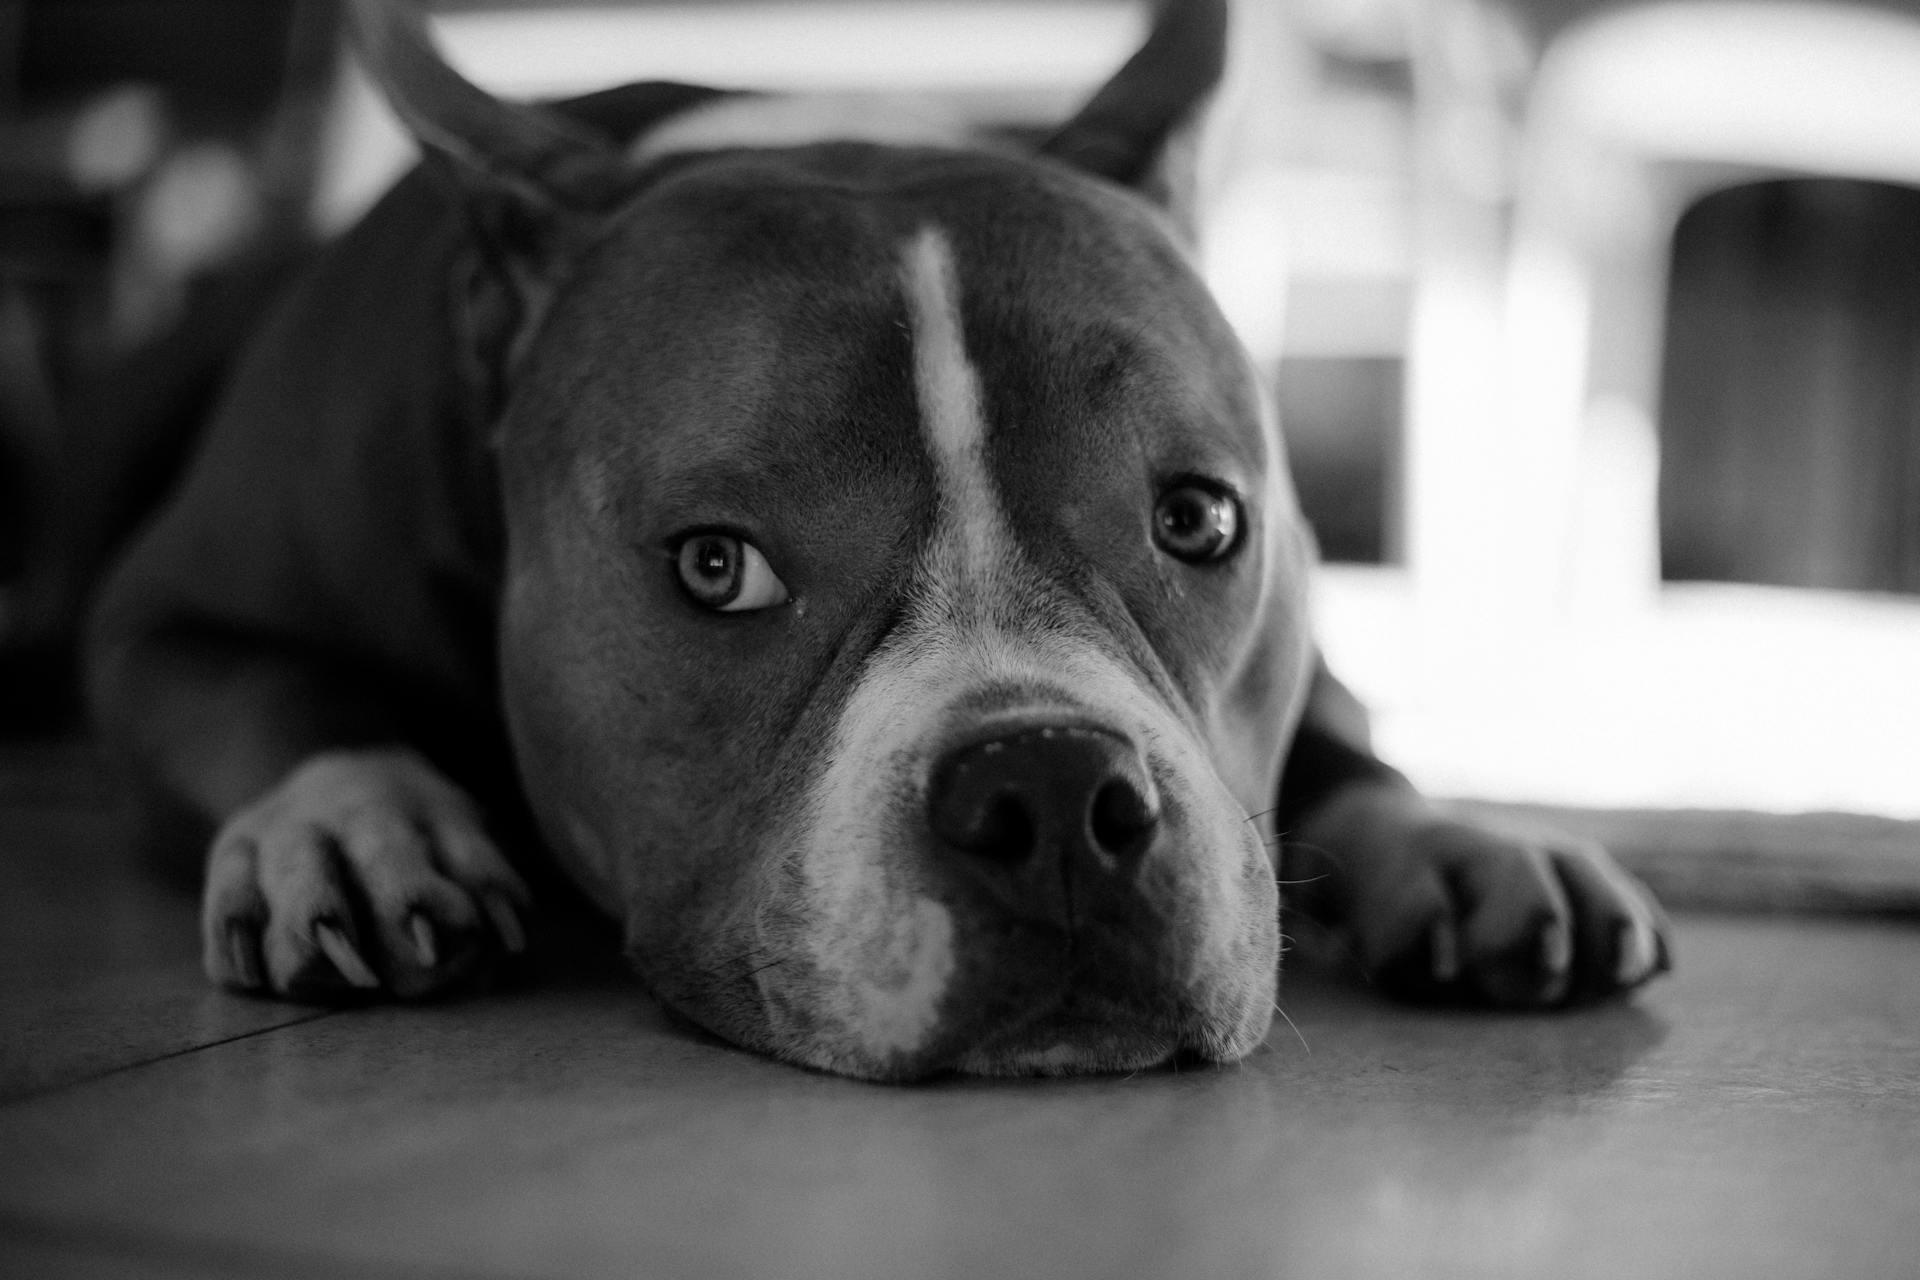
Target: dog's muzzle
[{"x": 1017, "y": 860}]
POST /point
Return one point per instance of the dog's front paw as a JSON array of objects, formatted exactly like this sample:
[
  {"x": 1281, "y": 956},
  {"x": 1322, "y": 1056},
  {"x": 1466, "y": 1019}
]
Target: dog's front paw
[
  {"x": 1446, "y": 908},
  {"x": 364, "y": 872}
]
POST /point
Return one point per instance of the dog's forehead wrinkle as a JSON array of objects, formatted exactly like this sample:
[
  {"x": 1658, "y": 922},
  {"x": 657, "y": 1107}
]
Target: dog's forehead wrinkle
[{"x": 728, "y": 408}]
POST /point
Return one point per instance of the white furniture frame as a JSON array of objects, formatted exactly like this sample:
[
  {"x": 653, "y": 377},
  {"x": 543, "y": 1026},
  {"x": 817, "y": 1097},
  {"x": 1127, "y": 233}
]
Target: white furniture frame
[{"x": 1530, "y": 651}]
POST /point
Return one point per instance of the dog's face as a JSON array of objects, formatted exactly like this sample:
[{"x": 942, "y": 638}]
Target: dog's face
[
  {"x": 904, "y": 614},
  {"x": 904, "y": 611}
]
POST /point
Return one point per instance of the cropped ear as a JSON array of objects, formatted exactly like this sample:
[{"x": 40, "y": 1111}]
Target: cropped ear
[
  {"x": 1139, "y": 128},
  {"x": 522, "y": 151},
  {"x": 531, "y": 183}
]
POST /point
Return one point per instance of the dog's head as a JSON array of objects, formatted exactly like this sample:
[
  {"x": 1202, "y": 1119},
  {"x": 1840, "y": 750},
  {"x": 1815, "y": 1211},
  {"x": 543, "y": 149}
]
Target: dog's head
[{"x": 903, "y": 619}]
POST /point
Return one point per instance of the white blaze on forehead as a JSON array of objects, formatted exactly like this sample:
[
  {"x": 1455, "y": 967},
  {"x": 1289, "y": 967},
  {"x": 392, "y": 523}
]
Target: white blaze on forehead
[{"x": 948, "y": 390}]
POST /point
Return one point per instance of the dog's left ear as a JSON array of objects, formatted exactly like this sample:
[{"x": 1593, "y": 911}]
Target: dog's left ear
[{"x": 1140, "y": 128}]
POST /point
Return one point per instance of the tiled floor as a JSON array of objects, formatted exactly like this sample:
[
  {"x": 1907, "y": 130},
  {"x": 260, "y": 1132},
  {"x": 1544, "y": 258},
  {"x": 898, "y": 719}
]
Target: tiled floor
[{"x": 1757, "y": 1114}]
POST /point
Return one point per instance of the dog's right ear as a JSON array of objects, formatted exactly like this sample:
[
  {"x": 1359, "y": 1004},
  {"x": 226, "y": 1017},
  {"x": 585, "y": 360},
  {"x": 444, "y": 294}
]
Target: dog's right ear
[
  {"x": 544, "y": 165},
  {"x": 531, "y": 183}
]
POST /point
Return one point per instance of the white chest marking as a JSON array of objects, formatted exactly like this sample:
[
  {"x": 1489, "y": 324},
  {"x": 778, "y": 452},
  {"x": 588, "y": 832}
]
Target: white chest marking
[{"x": 971, "y": 541}]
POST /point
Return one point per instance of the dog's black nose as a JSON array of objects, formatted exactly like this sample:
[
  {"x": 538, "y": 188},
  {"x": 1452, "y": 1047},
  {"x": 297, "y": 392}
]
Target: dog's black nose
[{"x": 1029, "y": 804}]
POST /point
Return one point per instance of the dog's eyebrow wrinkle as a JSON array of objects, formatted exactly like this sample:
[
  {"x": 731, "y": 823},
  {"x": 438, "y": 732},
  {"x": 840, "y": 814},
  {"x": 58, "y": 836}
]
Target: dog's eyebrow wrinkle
[{"x": 948, "y": 389}]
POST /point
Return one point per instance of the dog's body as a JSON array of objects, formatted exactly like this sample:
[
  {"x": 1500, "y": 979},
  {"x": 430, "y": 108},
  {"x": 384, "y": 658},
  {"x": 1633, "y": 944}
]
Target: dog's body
[{"x": 871, "y": 553}]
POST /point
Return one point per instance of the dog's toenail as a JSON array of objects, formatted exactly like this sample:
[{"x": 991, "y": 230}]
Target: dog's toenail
[
  {"x": 1556, "y": 949},
  {"x": 243, "y": 957},
  {"x": 420, "y": 929},
  {"x": 1636, "y": 954},
  {"x": 506, "y": 923},
  {"x": 337, "y": 948},
  {"x": 1446, "y": 952}
]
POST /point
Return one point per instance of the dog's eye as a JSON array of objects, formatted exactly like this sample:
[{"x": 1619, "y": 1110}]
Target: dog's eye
[
  {"x": 728, "y": 574},
  {"x": 1197, "y": 523}
]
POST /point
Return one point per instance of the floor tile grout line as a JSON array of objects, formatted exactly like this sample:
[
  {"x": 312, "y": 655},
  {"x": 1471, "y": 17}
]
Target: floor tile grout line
[
  {"x": 43, "y": 1091},
  {"x": 199, "y": 1251}
]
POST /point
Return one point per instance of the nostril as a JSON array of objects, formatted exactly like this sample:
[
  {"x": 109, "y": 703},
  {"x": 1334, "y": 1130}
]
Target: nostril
[
  {"x": 1121, "y": 819},
  {"x": 1005, "y": 832},
  {"x": 978, "y": 809}
]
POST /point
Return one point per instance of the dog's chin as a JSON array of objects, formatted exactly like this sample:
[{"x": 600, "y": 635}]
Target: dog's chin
[
  {"x": 1073, "y": 1041},
  {"x": 1063, "y": 1042}
]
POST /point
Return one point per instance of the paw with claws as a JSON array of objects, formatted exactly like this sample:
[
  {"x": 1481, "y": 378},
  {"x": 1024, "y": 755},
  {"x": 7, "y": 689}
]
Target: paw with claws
[
  {"x": 363, "y": 873},
  {"x": 1445, "y": 908}
]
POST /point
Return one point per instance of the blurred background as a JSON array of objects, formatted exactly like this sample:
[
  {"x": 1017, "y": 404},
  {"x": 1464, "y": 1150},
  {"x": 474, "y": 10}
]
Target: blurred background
[{"x": 1595, "y": 327}]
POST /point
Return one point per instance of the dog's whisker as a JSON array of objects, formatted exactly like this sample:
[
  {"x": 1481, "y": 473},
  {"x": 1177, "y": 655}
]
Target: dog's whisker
[
  {"x": 1332, "y": 855},
  {"x": 1295, "y": 1027}
]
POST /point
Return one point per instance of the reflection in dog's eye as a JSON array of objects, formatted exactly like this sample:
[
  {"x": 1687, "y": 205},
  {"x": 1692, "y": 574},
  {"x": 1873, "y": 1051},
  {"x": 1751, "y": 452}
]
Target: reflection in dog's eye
[
  {"x": 727, "y": 573},
  {"x": 1197, "y": 523}
]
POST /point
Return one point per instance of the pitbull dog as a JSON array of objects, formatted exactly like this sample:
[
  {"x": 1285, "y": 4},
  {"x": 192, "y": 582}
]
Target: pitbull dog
[{"x": 865, "y": 549}]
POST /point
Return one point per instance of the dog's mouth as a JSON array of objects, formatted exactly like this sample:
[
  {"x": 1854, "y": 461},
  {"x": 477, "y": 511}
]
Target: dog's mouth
[
  {"x": 1122, "y": 999},
  {"x": 1080, "y": 1037}
]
